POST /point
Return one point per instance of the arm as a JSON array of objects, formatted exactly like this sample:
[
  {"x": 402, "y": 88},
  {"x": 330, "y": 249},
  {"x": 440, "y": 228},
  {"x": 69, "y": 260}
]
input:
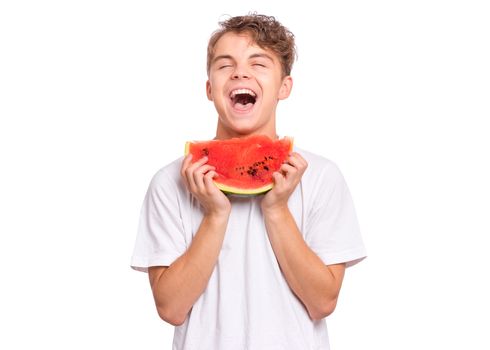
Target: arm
[
  {"x": 314, "y": 283},
  {"x": 317, "y": 285},
  {"x": 177, "y": 287}
]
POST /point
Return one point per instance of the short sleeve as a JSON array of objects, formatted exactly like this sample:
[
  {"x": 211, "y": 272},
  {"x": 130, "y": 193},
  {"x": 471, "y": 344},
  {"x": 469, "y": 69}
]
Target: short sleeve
[
  {"x": 160, "y": 238},
  {"x": 332, "y": 228}
]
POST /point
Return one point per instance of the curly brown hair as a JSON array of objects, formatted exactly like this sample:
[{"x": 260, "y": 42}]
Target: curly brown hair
[{"x": 265, "y": 31}]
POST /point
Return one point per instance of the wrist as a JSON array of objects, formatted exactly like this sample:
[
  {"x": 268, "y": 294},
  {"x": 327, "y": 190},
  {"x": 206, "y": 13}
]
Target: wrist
[
  {"x": 218, "y": 215},
  {"x": 276, "y": 212}
]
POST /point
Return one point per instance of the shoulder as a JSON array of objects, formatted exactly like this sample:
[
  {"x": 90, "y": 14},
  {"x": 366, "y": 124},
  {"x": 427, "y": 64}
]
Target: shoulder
[
  {"x": 168, "y": 175},
  {"x": 319, "y": 167}
]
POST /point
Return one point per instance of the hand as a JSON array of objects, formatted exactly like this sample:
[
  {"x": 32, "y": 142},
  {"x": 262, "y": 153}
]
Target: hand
[
  {"x": 198, "y": 178},
  {"x": 285, "y": 182}
]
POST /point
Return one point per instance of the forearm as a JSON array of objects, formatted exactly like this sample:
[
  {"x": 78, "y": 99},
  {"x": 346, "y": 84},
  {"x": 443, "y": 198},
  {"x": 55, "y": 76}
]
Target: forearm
[
  {"x": 314, "y": 283},
  {"x": 177, "y": 288}
]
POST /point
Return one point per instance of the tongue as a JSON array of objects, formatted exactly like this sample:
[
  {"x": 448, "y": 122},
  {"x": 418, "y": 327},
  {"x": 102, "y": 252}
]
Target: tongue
[{"x": 243, "y": 107}]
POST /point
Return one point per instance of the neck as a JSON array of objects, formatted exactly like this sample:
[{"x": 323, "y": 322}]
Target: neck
[
  {"x": 220, "y": 135},
  {"x": 224, "y": 133}
]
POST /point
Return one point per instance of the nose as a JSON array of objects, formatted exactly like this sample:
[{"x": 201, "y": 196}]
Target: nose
[{"x": 240, "y": 73}]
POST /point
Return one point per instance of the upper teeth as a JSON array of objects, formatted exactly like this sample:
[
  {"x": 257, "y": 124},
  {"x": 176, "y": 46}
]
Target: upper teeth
[{"x": 242, "y": 91}]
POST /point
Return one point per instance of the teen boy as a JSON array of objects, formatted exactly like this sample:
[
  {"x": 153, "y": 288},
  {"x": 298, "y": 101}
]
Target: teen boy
[{"x": 248, "y": 273}]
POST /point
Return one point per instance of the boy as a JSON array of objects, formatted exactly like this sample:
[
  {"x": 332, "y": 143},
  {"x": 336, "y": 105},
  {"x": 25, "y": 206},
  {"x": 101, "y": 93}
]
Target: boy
[{"x": 258, "y": 272}]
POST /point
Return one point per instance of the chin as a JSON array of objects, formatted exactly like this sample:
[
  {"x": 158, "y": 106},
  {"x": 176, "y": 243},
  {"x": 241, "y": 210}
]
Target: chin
[{"x": 240, "y": 130}]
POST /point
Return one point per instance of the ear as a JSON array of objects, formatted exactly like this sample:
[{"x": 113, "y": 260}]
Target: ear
[
  {"x": 208, "y": 90},
  {"x": 286, "y": 87}
]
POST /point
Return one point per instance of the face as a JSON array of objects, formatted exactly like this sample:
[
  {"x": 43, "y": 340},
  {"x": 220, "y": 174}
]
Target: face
[{"x": 245, "y": 84}]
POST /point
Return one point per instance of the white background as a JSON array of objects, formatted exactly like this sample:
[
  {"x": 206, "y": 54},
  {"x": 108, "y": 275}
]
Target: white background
[{"x": 96, "y": 96}]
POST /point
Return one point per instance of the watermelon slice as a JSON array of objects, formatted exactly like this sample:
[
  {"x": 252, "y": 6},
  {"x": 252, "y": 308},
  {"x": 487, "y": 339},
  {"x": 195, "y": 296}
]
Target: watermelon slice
[{"x": 244, "y": 165}]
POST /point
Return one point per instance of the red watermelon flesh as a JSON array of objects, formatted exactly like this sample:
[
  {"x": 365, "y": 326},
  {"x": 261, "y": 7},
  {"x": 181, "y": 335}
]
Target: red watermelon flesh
[{"x": 244, "y": 165}]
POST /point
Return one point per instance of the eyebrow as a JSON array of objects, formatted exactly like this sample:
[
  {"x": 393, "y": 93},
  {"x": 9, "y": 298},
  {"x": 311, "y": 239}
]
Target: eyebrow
[
  {"x": 261, "y": 55},
  {"x": 255, "y": 55},
  {"x": 222, "y": 57}
]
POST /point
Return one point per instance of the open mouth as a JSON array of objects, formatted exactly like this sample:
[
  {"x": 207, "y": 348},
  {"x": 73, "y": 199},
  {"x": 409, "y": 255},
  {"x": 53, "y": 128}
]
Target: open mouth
[{"x": 243, "y": 99}]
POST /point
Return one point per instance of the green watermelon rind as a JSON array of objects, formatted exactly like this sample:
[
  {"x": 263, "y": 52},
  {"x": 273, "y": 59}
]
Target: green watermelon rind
[
  {"x": 237, "y": 190},
  {"x": 244, "y": 191}
]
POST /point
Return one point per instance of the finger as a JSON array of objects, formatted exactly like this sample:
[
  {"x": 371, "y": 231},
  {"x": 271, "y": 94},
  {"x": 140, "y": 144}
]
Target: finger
[
  {"x": 208, "y": 180},
  {"x": 200, "y": 162},
  {"x": 185, "y": 164},
  {"x": 297, "y": 155},
  {"x": 189, "y": 171},
  {"x": 298, "y": 164},
  {"x": 296, "y": 160},
  {"x": 288, "y": 170},
  {"x": 198, "y": 175},
  {"x": 279, "y": 179},
  {"x": 184, "y": 171},
  {"x": 302, "y": 161}
]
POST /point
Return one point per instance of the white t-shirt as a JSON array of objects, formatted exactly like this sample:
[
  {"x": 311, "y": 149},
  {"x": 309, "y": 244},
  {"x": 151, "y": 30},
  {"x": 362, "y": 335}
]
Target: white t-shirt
[{"x": 248, "y": 303}]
